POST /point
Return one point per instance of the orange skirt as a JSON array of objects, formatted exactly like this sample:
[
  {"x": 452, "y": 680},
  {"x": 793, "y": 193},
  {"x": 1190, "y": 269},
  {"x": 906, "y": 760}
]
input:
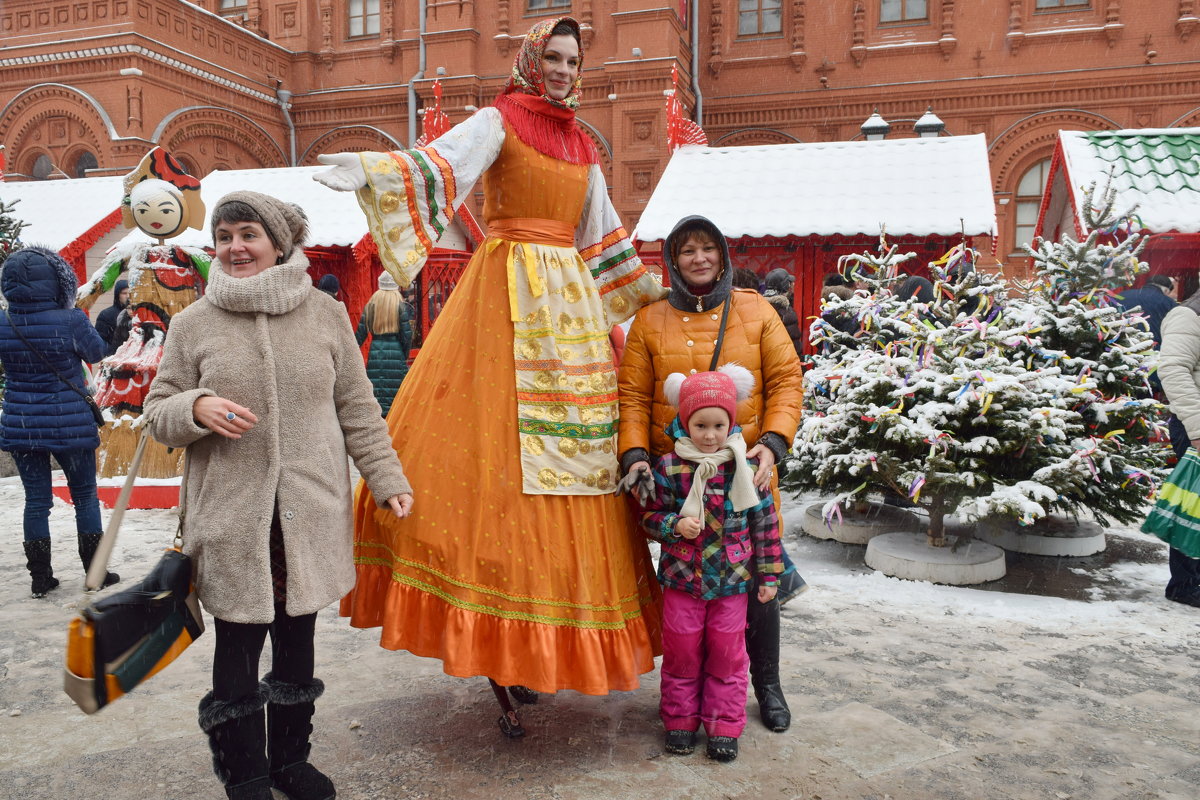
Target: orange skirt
[{"x": 548, "y": 591}]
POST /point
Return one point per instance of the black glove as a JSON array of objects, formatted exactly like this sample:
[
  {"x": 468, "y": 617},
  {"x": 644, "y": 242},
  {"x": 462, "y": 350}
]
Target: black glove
[{"x": 639, "y": 483}]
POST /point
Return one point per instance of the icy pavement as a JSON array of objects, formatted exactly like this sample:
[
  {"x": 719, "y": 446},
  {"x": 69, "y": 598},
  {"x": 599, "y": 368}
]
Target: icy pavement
[{"x": 1069, "y": 679}]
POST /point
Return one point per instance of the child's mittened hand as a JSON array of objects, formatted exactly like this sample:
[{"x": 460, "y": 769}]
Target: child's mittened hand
[
  {"x": 766, "y": 593},
  {"x": 688, "y": 527}
]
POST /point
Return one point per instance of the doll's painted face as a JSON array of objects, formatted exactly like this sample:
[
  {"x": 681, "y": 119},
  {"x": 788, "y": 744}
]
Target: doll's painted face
[
  {"x": 708, "y": 429},
  {"x": 560, "y": 65},
  {"x": 157, "y": 208}
]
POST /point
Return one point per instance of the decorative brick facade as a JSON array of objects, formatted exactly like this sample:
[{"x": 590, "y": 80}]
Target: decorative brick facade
[{"x": 89, "y": 85}]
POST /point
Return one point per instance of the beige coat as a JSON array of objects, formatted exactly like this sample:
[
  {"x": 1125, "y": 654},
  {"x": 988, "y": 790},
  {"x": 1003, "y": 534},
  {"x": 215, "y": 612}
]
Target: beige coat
[
  {"x": 1179, "y": 366},
  {"x": 276, "y": 345}
]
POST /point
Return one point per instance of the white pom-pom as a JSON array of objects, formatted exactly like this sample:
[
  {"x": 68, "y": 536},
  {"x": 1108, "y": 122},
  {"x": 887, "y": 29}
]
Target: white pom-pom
[
  {"x": 743, "y": 379},
  {"x": 671, "y": 387}
]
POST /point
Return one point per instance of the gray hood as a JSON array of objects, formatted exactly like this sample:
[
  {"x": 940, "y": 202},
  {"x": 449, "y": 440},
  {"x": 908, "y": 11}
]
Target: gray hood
[{"x": 681, "y": 296}]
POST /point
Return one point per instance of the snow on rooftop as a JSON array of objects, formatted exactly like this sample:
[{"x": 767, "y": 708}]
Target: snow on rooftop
[
  {"x": 60, "y": 211},
  {"x": 929, "y": 186},
  {"x": 334, "y": 218},
  {"x": 1156, "y": 169}
]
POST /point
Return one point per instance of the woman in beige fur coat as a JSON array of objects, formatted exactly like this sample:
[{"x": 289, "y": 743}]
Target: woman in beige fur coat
[{"x": 262, "y": 380}]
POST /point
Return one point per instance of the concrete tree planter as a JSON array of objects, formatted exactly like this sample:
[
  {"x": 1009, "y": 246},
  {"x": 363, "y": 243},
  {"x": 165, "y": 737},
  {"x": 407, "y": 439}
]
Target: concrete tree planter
[
  {"x": 927, "y": 556},
  {"x": 859, "y": 523},
  {"x": 1050, "y": 536},
  {"x": 908, "y": 555}
]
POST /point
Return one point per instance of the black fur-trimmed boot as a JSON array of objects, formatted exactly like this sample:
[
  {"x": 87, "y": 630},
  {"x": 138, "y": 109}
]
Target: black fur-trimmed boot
[
  {"x": 237, "y": 733},
  {"x": 289, "y": 724},
  {"x": 37, "y": 561},
  {"x": 88, "y": 542},
  {"x": 762, "y": 644}
]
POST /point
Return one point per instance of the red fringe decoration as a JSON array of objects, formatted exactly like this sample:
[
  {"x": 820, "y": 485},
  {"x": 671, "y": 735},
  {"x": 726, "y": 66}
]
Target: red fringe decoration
[{"x": 550, "y": 130}]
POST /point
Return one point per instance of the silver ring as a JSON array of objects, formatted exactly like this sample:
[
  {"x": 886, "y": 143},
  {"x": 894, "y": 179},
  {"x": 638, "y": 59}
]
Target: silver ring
[{"x": 229, "y": 415}]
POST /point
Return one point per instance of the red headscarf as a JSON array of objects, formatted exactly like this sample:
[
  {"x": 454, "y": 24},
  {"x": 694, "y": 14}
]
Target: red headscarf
[{"x": 540, "y": 121}]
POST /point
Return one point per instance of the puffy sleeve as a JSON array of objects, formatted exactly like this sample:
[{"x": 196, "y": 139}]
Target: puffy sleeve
[
  {"x": 411, "y": 195},
  {"x": 1177, "y": 364},
  {"x": 624, "y": 284}
]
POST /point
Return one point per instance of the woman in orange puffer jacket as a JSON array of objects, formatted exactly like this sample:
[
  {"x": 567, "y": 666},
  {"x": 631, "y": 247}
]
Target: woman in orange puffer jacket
[{"x": 679, "y": 334}]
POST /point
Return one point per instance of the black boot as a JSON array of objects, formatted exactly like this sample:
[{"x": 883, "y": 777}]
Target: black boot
[
  {"x": 289, "y": 724},
  {"x": 88, "y": 542},
  {"x": 762, "y": 644},
  {"x": 37, "y": 561},
  {"x": 237, "y": 733}
]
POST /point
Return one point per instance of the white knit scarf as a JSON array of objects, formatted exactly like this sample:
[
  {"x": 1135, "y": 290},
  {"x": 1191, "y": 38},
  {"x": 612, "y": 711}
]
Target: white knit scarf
[
  {"x": 275, "y": 290},
  {"x": 741, "y": 492}
]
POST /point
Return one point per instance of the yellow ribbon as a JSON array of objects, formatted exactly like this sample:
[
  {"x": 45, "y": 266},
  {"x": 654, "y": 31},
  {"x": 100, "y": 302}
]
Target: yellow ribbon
[{"x": 537, "y": 286}]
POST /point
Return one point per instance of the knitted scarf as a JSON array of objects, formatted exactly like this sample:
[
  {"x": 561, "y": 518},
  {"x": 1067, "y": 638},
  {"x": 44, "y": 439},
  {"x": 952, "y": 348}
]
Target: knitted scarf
[
  {"x": 275, "y": 290},
  {"x": 545, "y": 124},
  {"x": 741, "y": 492}
]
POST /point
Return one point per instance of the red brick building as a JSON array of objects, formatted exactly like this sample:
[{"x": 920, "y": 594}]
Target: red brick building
[{"x": 86, "y": 86}]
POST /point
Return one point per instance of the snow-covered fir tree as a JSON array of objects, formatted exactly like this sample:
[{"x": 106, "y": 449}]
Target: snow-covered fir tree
[
  {"x": 1105, "y": 356},
  {"x": 10, "y": 229},
  {"x": 930, "y": 401}
]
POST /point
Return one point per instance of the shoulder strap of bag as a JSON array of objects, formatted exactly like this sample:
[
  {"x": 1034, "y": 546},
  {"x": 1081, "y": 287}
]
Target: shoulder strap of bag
[
  {"x": 721, "y": 333},
  {"x": 87, "y": 397},
  {"x": 99, "y": 568}
]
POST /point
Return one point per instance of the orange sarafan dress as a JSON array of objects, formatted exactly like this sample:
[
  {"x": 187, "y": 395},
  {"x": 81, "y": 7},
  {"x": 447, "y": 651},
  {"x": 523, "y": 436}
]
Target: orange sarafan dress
[{"x": 518, "y": 562}]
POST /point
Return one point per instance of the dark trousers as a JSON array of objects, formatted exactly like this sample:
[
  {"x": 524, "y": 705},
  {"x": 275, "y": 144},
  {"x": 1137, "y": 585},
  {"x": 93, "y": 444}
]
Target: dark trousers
[
  {"x": 1185, "y": 571},
  {"x": 239, "y": 648},
  {"x": 79, "y": 466}
]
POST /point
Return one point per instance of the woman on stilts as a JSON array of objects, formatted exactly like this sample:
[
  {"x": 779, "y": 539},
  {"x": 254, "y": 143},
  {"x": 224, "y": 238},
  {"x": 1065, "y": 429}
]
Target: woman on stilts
[{"x": 519, "y": 564}]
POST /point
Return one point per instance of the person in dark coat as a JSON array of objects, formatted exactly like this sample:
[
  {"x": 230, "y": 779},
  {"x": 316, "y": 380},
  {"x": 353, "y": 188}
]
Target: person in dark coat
[
  {"x": 42, "y": 337},
  {"x": 106, "y": 322},
  {"x": 778, "y": 292},
  {"x": 330, "y": 285},
  {"x": 388, "y": 320},
  {"x": 1156, "y": 299}
]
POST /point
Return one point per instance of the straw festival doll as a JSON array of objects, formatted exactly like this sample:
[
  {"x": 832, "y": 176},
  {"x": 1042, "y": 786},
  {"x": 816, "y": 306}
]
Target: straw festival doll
[{"x": 162, "y": 201}]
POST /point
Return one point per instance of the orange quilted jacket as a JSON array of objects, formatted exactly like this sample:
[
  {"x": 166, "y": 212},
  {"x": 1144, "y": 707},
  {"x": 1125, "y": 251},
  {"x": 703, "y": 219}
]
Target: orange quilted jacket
[{"x": 664, "y": 339}]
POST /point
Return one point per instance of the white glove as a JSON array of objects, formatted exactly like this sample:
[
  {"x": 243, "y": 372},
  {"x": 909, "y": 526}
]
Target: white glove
[{"x": 347, "y": 173}]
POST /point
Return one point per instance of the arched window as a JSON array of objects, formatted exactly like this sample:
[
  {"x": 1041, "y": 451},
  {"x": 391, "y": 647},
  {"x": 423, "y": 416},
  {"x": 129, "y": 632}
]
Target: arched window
[
  {"x": 42, "y": 167},
  {"x": 1029, "y": 200},
  {"x": 83, "y": 163}
]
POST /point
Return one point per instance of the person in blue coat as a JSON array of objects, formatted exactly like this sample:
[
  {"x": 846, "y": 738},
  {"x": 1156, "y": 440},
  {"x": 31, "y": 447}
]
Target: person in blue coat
[{"x": 43, "y": 339}]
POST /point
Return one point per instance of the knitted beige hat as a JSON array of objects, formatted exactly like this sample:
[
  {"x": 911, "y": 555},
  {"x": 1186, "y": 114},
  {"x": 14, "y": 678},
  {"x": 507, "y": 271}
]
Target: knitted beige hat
[
  {"x": 286, "y": 223},
  {"x": 386, "y": 281}
]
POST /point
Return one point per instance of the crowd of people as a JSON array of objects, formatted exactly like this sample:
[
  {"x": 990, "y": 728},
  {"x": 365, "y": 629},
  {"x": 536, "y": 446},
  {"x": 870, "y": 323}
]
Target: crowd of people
[{"x": 502, "y": 546}]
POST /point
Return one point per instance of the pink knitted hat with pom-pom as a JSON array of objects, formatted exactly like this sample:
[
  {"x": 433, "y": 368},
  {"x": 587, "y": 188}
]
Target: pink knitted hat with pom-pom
[{"x": 721, "y": 389}]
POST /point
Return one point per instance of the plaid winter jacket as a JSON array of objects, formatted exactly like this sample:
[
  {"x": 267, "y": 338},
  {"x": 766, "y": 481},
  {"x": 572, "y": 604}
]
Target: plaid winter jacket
[{"x": 732, "y": 546}]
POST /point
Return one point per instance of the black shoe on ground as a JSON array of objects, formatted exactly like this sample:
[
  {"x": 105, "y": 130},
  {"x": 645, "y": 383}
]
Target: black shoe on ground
[
  {"x": 681, "y": 743},
  {"x": 722, "y": 748},
  {"x": 1192, "y": 599},
  {"x": 303, "y": 781},
  {"x": 37, "y": 560}
]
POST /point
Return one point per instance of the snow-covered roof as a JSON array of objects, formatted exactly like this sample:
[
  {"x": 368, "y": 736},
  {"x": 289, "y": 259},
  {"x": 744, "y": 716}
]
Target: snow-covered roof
[
  {"x": 334, "y": 218},
  {"x": 59, "y": 212},
  {"x": 922, "y": 186},
  {"x": 1157, "y": 169}
]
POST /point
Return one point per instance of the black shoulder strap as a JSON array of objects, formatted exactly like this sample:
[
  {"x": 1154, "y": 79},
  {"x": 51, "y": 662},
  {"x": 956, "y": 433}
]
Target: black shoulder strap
[
  {"x": 46, "y": 361},
  {"x": 721, "y": 333}
]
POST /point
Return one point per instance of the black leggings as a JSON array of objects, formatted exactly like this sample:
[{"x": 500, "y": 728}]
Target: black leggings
[{"x": 239, "y": 647}]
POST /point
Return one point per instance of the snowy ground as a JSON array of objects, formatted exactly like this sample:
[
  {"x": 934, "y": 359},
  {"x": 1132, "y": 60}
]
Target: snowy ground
[{"x": 1070, "y": 679}]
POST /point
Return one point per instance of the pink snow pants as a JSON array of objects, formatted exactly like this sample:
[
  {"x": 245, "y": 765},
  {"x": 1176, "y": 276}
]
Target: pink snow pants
[{"x": 705, "y": 666}]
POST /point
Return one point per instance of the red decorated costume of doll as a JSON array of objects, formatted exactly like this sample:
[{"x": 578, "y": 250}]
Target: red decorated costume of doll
[{"x": 162, "y": 201}]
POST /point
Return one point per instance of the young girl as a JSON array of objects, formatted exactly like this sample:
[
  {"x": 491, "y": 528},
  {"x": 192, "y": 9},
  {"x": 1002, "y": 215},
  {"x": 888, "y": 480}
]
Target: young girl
[{"x": 711, "y": 521}]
